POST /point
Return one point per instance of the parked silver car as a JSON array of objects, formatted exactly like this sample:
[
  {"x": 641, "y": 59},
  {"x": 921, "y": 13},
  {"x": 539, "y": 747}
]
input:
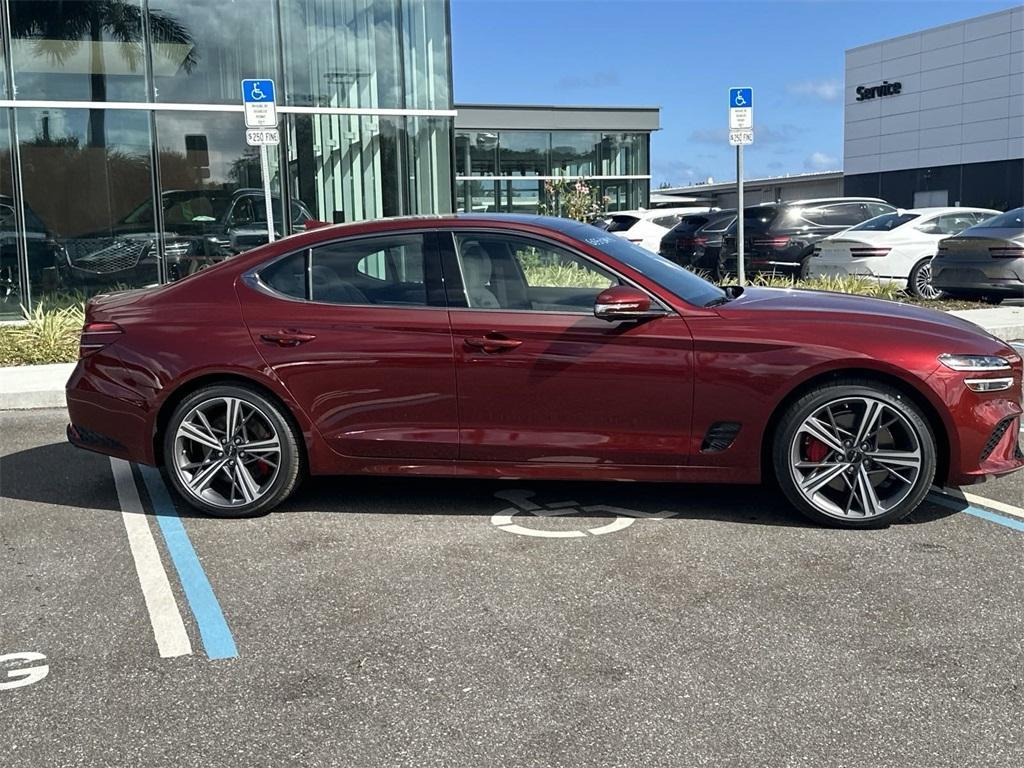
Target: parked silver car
[{"x": 985, "y": 261}]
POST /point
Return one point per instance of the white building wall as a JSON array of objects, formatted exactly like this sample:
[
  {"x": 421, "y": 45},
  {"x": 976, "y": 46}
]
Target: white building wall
[{"x": 962, "y": 99}]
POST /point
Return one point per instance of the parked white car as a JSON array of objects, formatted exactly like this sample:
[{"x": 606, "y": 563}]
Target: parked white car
[
  {"x": 647, "y": 227},
  {"x": 894, "y": 247}
]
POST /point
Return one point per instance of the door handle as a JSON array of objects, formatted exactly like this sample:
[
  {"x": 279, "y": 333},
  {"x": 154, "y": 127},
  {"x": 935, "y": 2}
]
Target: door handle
[
  {"x": 287, "y": 338},
  {"x": 491, "y": 343}
]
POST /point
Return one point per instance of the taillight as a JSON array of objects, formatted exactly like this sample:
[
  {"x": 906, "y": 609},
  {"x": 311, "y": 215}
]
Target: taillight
[
  {"x": 858, "y": 253},
  {"x": 773, "y": 243},
  {"x": 96, "y": 336},
  {"x": 1007, "y": 252}
]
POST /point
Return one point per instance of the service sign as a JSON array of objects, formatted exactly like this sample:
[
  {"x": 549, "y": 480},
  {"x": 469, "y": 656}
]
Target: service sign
[
  {"x": 260, "y": 103},
  {"x": 261, "y": 137},
  {"x": 741, "y": 116}
]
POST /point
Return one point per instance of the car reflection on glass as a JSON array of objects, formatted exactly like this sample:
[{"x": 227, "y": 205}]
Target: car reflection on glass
[
  {"x": 202, "y": 227},
  {"x": 43, "y": 252}
]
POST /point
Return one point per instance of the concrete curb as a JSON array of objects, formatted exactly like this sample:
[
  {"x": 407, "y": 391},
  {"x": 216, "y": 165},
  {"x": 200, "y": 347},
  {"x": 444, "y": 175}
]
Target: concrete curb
[
  {"x": 34, "y": 386},
  {"x": 42, "y": 386}
]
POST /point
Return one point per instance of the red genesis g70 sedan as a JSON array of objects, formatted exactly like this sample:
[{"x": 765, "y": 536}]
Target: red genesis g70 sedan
[{"x": 528, "y": 347}]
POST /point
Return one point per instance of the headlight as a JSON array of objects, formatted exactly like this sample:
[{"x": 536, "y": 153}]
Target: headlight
[{"x": 975, "y": 363}]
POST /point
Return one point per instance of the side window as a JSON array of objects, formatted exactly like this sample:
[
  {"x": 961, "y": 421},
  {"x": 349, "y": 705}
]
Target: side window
[
  {"x": 955, "y": 223},
  {"x": 667, "y": 221},
  {"x": 845, "y": 214},
  {"x": 518, "y": 273},
  {"x": 287, "y": 276},
  {"x": 380, "y": 270},
  {"x": 242, "y": 213},
  {"x": 877, "y": 209}
]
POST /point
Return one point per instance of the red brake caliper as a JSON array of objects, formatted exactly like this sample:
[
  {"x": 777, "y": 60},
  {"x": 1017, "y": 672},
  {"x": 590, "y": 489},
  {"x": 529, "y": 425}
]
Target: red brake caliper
[{"x": 814, "y": 449}]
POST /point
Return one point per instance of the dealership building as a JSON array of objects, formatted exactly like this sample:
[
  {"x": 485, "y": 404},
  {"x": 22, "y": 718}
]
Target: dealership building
[
  {"x": 123, "y": 158},
  {"x": 937, "y": 117}
]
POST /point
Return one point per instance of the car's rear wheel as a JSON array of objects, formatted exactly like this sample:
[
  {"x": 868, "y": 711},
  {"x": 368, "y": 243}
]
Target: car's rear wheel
[
  {"x": 854, "y": 454},
  {"x": 920, "y": 282},
  {"x": 231, "y": 452}
]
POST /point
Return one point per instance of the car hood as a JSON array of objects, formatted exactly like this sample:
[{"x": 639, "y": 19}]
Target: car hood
[{"x": 830, "y": 309}]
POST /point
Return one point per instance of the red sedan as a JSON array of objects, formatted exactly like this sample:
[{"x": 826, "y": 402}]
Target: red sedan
[{"x": 531, "y": 347}]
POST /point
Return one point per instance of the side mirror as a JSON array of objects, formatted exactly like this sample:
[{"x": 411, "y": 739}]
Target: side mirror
[{"x": 624, "y": 302}]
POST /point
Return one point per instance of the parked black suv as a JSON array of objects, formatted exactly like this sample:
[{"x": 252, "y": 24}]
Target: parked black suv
[
  {"x": 678, "y": 243},
  {"x": 709, "y": 241},
  {"x": 779, "y": 237}
]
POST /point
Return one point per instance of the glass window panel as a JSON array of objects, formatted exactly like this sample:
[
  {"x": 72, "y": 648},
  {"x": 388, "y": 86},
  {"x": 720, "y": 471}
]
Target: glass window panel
[
  {"x": 998, "y": 185},
  {"x": 82, "y": 50},
  {"x": 212, "y": 191},
  {"x": 202, "y": 50},
  {"x": 476, "y": 153},
  {"x": 10, "y": 271},
  {"x": 425, "y": 45},
  {"x": 429, "y": 157},
  {"x": 343, "y": 53},
  {"x": 510, "y": 272},
  {"x": 482, "y": 196},
  {"x": 574, "y": 153},
  {"x": 624, "y": 154},
  {"x": 381, "y": 270},
  {"x": 520, "y": 196},
  {"x": 523, "y": 153},
  {"x": 89, "y": 213}
]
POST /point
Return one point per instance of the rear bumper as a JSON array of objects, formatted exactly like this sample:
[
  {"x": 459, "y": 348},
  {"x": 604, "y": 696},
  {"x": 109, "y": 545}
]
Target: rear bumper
[
  {"x": 105, "y": 416},
  {"x": 819, "y": 267},
  {"x": 1004, "y": 277}
]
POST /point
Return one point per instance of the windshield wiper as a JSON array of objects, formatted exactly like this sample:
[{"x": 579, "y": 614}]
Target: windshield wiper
[
  {"x": 731, "y": 292},
  {"x": 718, "y": 302}
]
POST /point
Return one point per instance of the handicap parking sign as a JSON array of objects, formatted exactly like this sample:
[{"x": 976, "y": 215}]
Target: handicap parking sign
[
  {"x": 740, "y": 98},
  {"x": 260, "y": 103}
]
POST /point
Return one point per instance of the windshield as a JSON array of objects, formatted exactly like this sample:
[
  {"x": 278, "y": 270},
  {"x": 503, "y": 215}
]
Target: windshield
[
  {"x": 885, "y": 223},
  {"x": 681, "y": 282}
]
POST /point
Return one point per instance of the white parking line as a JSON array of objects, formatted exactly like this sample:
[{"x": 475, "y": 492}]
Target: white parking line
[
  {"x": 998, "y": 506},
  {"x": 168, "y": 628}
]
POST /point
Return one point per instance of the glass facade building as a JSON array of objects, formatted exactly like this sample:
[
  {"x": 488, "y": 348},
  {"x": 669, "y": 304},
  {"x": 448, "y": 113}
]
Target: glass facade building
[
  {"x": 123, "y": 159},
  {"x": 505, "y": 154}
]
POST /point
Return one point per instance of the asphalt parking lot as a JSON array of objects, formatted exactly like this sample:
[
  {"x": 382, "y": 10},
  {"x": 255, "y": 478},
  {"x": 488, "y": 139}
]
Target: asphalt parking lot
[{"x": 425, "y": 623}]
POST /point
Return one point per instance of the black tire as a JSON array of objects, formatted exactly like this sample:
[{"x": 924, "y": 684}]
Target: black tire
[
  {"x": 795, "y": 415},
  {"x": 993, "y": 299},
  {"x": 920, "y": 276},
  {"x": 291, "y": 457}
]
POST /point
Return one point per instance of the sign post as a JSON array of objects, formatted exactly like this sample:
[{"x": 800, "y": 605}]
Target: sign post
[
  {"x": 261, "y": 131},
  {"x": 741, "y": 133}
]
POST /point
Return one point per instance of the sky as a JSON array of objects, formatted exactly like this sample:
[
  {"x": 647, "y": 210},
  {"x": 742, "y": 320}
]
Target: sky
[{"x": 682, "y": 56}]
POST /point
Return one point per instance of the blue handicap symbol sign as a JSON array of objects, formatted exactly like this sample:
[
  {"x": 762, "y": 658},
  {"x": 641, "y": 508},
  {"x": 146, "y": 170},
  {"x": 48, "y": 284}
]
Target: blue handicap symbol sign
[
  {"x": 741, "y": 97},
  {"x": 257, "y": 90}
]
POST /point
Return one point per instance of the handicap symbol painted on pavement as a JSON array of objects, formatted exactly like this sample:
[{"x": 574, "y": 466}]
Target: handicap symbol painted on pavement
[{"x": 524, "y": 505}]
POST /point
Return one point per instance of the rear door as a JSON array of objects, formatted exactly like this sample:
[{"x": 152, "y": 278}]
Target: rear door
[
  {"x": 541, "y": 380},
  {"x": 358, "y": 332}
]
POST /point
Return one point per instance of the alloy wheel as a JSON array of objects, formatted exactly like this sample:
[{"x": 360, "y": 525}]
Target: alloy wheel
[
  {"x": 923, "y": 283},
  {"x": 227, "y": 452},
  {"x": 855, "y": 458}
]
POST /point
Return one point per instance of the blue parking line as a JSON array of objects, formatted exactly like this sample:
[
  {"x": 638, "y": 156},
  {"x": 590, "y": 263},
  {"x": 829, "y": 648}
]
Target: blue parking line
[
  {"x": 213, "y": 629},
  {"x": 984, "y": 514}
]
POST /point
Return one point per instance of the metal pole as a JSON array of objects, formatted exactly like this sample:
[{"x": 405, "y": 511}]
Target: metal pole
[
  {"x": 740, "y": 259},
  {"x": 265, "y": 172}
]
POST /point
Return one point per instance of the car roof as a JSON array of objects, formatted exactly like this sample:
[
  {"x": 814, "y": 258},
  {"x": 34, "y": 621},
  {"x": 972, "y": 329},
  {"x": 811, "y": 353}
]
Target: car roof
[
  {"x": 823, "y": 200},
  {"x": 941, "y": 209}
]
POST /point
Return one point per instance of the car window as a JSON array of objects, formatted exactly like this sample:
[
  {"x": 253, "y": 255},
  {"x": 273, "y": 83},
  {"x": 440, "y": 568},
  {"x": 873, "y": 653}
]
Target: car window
[
  {"x": 1010, "y": 220},
  {"x": 886, "y": 222},
  {"x": 837, "y": 214},
  {"x": 621, "y": 223},
  {"x": 954, "y": 223},
  {"x": 512, "y": 272},
  {"x": 720, "y": 224},
  {"x": 689, "y": 224},
  {"x": 667, "y": 221},
  {"x": 877, "y": 209},
  {"x": 759, "y": 218},
  {"x": 243, "y": 212},
  {"x": 387, "y": 271},
  {"x": 184, "y": 208}
]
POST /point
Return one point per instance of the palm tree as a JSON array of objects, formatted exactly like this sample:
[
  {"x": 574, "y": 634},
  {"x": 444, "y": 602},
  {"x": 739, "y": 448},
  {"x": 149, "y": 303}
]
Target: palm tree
[{"x": 59, "y": 28}]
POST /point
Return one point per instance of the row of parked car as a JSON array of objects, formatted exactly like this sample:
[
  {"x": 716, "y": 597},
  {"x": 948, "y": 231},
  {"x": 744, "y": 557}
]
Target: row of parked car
[{"x": 970, "y": 253}]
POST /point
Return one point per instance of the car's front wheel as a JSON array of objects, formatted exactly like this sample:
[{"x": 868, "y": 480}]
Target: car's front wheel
[
  {"x": 231, "y": 452},
  {"x": 854, "y": 454}
]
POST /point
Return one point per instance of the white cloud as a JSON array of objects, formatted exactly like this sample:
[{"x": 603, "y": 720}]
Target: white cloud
[
  {"x": 819, "y": 161},
  {"x": 826, "y": 90}
]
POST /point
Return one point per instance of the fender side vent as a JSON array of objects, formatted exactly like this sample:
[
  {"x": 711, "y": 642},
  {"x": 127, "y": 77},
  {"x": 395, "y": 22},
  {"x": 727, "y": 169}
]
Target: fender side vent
[{"x": 720, "y": 436}]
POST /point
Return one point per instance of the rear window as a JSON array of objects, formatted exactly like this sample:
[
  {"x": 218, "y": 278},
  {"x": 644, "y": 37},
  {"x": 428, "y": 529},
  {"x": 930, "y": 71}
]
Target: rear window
[
  {"x": 719, "y": 224},
  {"x": 667, "y": 221},
  {"x": 759, "y": 218},
  {"x": 621, "y": 223},
  {"x": 1010, "y": 220},
  {"x": 689, "y": 224},
  {"x": 886, "y": 222}
]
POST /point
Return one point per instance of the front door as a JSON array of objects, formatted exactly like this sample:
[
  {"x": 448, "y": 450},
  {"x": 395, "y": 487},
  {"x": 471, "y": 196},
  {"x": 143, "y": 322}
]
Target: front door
[
  {"x": 358, "y": 332},
  {"x": 540, "y": 379}
]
